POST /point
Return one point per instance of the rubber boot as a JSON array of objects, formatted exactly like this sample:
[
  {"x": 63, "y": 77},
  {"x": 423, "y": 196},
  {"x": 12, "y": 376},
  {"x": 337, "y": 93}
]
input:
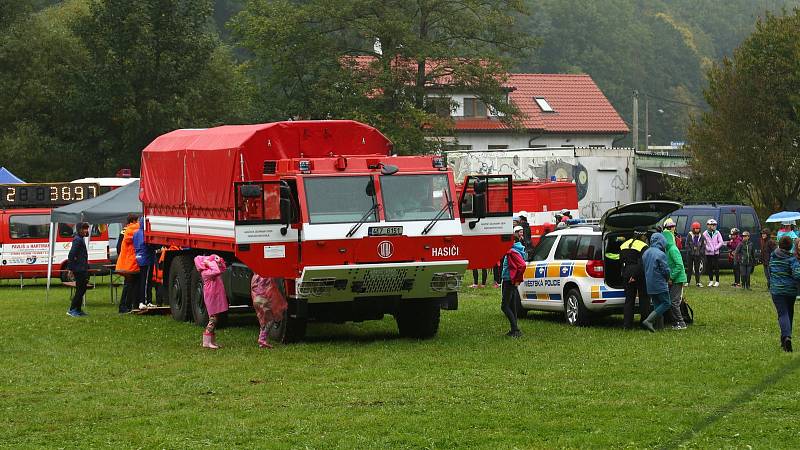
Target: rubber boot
[
  {"x": 263, "y": 336},
  {"x": 209, "y": 340},
  {"x": 648, "y": 322}
]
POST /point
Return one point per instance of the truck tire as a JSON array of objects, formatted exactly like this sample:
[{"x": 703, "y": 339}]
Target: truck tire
[
  {"x": 198, "y": 303},
  {"x": 418, "y": 319},
  {"x": 180, "y": 274},
  {"x": 289, "y": 329},
  {"x": 574, "y": 310}
]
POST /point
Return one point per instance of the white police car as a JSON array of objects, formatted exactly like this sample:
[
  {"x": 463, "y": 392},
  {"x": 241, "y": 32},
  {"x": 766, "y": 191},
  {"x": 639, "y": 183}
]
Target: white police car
[{"x": 575, "y": 270}]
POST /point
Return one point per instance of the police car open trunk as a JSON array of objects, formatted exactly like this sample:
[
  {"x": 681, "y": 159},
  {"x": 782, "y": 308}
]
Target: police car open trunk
[{"x": 618, "y": 224}]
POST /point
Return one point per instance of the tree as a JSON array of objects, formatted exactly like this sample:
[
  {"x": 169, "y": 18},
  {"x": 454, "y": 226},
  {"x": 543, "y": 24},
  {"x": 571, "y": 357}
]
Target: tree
[
  {"x": 155, "y": 65},
  {"x": 750, "y": 137},
  {"x": 377, "y": 61}
]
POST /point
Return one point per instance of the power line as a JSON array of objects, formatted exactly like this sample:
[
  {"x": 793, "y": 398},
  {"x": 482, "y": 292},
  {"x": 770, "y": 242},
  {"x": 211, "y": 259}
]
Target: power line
[{"x": 677, "y": 102}]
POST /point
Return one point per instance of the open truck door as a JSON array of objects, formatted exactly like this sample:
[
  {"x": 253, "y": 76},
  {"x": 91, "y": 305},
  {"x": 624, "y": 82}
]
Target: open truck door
[
  {"x": 266, "y": 231},
  {"x": 486, "y": 209}
]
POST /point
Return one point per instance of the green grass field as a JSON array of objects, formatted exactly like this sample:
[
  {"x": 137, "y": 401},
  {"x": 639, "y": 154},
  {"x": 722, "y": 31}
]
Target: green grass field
[{"x": 142, "y": 381}]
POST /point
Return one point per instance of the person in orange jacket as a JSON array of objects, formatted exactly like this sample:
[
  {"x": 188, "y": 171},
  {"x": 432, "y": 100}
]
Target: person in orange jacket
[{"x": 126, "y": 264}]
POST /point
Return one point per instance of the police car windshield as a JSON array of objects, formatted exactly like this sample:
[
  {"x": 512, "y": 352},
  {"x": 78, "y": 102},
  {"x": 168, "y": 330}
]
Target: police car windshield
[
  {"x": 416, "y": 197},
  {"x": 542, "y": 250},
  {"x": 338, "y": 199}
]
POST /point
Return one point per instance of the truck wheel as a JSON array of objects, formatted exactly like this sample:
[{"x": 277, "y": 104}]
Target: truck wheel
[
  {"x": 198, "y": 305},
  {"x": 180, "y": 287},
  {"x": 574, "y": 309},
  {"x": 418, "y": 319},
  {"x": 289, "y": 329}
]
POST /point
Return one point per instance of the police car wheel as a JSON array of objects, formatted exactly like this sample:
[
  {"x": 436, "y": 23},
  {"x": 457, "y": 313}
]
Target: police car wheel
[{"x": 574, "y": 310}]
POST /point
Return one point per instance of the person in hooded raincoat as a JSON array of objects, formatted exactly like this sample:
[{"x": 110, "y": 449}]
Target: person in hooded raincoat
[
  {"x": 657, "y": 275},
  {"x": 211, "y": 269},
  {"x": 512, "y": 274},
  {"x": 269, "y": 303}
]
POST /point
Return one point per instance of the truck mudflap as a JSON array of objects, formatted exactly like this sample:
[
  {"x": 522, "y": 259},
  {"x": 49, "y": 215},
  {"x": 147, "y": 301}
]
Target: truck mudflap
[{"x": 412, "y": 280}]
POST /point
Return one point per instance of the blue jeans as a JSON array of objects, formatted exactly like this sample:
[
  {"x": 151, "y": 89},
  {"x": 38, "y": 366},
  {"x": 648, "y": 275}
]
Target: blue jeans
[
  {"x": 661, "y": 303},
  {"x": 784, "y": 306}
]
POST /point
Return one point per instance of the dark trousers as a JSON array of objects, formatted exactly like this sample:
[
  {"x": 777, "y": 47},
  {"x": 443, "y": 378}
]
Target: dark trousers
[
  {"x": 631, "y": 290},
  {"x": 766, "y": 272},
  {"x": 737, "y": 273},
  {"x": 145, "y": 284},
  {"x": 744, "y": 275},
  {"x": 484, "y": 273},
  {"x": 81, "y": 281},
  {"x": 130, "y": 293},
  {"x": 784, "y": 306},
  {"x": 496, "y": 273},
  {"x": 712, "y": 267},
  {"x": 693, "y": 268},
  {"x": 509, "y": 305}
]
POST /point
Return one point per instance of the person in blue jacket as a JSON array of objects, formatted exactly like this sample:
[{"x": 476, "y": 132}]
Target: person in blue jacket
[
  {"x": 784, "y": 272},
  {"x": 656, "y": 274},
  {"x": 78, "y": 263},
  {"x": 146, "y": 259}
]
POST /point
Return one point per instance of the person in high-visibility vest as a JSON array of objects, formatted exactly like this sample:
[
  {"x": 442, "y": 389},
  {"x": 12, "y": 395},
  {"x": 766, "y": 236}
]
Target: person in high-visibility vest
[{"x": 633, "y": 276}]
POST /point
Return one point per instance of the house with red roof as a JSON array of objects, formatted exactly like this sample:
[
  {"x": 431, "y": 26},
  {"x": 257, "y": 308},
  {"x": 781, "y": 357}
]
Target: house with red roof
[{"x": 557, "y": 110}]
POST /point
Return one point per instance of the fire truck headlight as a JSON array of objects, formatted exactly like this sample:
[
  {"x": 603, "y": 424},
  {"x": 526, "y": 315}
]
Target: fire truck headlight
[{"x": 446, "y": 282}]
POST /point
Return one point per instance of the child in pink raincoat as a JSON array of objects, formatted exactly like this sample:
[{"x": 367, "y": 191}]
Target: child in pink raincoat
[
  {"x": 211, "y": 269},
  {"x": 269, "y": 303}
]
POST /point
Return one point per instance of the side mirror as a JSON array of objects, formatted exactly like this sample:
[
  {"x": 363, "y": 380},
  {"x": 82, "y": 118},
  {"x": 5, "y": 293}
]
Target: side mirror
[
  {"x": 370, "y": 190},
  {"x": 479, "y": 186},
  {"x": 467, "y": 203},
  {"x": 285, "y": 205},
  {"x": 251, "y": 190},
  {"x": 479, "y": 205}
]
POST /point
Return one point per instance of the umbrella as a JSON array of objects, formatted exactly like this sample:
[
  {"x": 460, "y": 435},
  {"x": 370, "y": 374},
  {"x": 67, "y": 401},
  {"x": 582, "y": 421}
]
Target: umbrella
[{"x": 784, "y": 216}]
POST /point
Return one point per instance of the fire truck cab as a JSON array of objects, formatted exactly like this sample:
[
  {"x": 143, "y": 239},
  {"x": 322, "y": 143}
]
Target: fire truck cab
[{"x": 351, "y": 232}]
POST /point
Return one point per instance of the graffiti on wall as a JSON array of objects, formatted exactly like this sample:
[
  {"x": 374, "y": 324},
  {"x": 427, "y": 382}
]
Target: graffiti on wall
[{"x": 521, "y": 167}]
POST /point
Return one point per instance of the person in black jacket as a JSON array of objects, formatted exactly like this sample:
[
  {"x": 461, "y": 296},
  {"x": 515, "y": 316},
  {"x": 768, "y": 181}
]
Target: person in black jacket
[
  {"x": 78, "y": 263},
  {"x": 633, "y": 276}
]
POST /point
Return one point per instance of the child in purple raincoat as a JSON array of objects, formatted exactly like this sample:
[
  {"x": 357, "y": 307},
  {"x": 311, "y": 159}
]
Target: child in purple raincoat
[
  {"x": 211, "y": 269},
  {"x": 269, "y": 303}
]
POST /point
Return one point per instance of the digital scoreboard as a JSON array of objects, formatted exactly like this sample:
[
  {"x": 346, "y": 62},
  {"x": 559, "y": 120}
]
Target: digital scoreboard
[{"x": 45, "y": 195}]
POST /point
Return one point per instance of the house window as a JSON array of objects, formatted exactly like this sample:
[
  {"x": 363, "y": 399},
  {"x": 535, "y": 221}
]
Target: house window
[
  {"x": 441, "y": 106},
  {"x": 456, "y": 147},
  {"x": 538, "y": 146},
  {"x": 567, "y": 146},
  {"x": 497, "y": 147},
  {"x": 473, "y": 107},
  {"x": 597, "y": 146},
  {"x": 543, "y": 104}
]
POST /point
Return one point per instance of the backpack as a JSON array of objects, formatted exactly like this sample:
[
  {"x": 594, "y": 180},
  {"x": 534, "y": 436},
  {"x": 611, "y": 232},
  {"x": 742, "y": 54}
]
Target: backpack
[{"x": 686, "y": 311}]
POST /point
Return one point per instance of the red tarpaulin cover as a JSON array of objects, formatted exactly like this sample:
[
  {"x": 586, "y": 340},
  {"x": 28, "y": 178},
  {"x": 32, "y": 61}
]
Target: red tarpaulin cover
[{"x": 190, "y": 173}]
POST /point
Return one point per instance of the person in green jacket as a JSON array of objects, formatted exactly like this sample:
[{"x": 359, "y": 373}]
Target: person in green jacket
[{"x": 677, "y": 274}]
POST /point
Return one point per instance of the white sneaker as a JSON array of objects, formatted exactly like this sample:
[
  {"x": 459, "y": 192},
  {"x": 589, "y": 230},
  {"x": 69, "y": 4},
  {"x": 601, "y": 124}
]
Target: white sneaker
[
  {"x": 716, "y": 284},
  {"x": 142, "y": 306},
  {"x": 699, "y": 284},
  {"x": 710, "y": 283}
]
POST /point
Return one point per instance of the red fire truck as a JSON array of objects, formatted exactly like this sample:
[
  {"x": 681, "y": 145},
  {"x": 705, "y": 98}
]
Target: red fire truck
[
  {"x": 25, "y": 228},
  {"x": 351, "y": 232}
]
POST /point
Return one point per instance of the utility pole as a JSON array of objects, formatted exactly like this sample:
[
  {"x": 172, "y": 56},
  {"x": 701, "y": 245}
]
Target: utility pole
[
  {"x": 636, "y": 120},
  {"x": 646, "y": 123}
]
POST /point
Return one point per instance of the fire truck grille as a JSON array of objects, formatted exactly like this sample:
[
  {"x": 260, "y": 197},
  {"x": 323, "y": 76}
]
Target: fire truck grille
[{"x": 384, "y": 280}]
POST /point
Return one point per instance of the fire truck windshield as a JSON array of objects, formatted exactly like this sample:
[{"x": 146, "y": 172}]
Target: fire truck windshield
[
  {"x": 415, "y": 197},
  {"x": 338, "y": 199}
]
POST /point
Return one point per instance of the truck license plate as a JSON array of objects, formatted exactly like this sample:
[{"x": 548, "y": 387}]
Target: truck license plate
[{"x": 385, "y": 231}]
